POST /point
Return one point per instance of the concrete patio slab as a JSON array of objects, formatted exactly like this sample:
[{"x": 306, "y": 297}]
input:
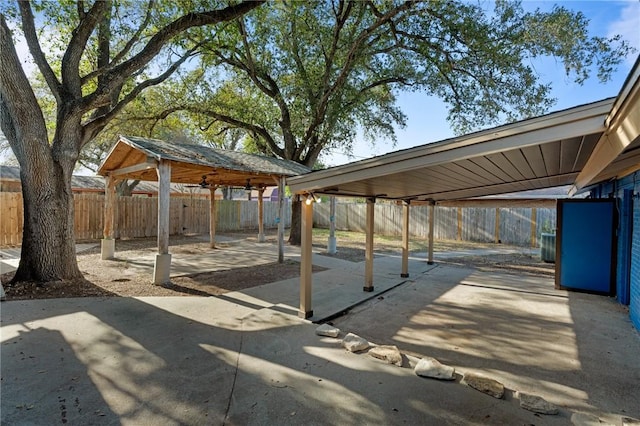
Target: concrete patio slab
[{"x": 246, "y": 358}]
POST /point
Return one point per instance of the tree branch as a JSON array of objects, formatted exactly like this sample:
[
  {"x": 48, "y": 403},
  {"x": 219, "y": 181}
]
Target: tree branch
[
  {"x": 190, "y": 20},
  {"x": 29, "y": 30},
  {"x": 94, "y": 126},
  {"x": 71, "y": 59},
  {"x": 19, "y": 108},
  {"x": 259, "y": 130},
  {"x": 126, "y": 49}
]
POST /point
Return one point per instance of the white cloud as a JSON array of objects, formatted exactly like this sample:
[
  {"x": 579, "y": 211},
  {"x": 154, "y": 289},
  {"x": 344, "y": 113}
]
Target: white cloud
[{"x": 628, "y": 26}]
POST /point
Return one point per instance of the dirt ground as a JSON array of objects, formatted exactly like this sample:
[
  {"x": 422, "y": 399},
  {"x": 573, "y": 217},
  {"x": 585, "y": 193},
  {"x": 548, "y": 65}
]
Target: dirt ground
[{"x": 107, "y": 281}]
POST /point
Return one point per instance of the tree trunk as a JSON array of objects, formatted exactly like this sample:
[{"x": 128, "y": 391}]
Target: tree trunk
[
  {"x": 295, "y": 234},
  {"x": 48, "y": 238},
  {"x": 125, "y": 189}
]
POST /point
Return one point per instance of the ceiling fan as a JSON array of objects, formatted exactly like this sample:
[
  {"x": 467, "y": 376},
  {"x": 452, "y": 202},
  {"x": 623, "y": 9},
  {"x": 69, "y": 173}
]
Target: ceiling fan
[{"x": 203, "y": 183}]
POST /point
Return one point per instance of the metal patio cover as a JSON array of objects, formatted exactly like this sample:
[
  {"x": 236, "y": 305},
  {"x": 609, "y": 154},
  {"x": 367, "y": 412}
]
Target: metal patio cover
[{"x": 579, "y": 146}]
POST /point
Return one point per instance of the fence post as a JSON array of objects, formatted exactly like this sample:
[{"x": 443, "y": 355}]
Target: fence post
[
  {"x": 332, "y": 244},
  {"x": 497, "y": 227},
  {"x": 534, "y": 226},
  {"x": 405, "y": 239}
]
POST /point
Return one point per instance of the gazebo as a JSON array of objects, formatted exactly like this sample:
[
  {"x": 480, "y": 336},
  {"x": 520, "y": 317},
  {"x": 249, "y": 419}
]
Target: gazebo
[{"x": 155, "y": 160}]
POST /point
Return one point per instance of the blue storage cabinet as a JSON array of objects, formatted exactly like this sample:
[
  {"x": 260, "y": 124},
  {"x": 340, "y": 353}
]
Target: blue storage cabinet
[{"x": 585, "y": 253}]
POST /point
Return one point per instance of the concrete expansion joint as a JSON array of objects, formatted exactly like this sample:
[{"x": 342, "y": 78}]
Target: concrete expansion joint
[{"x": 235, "y": 374}]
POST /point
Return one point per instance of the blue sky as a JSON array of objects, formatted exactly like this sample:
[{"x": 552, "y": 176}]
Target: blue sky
[{"x": 427, "y": 114}]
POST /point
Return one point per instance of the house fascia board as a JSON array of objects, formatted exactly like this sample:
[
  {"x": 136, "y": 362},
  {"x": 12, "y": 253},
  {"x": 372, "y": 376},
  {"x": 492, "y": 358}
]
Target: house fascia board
[
  {"x": 623, "y": 127},
  {"x": 579, "y": 121}
]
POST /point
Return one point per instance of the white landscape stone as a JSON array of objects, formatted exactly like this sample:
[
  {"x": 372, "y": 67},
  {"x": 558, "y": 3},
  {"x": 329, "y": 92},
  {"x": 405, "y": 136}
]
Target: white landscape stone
[
  {"x": 431, "y": 367},
  {"x": 327, "y": 330},
  {"x": 390, "y": 354},
  {"x": 585, "y": 419},
  {"x": 537, "y": 404},
  {"x": 354, "y": 343},
  {"x": 485, "y": 384}
]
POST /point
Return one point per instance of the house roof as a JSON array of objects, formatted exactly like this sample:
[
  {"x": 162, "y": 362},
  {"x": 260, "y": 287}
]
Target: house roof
[
  {"x": 577, "y": 146},
  {"x": 189, "y": 163}
]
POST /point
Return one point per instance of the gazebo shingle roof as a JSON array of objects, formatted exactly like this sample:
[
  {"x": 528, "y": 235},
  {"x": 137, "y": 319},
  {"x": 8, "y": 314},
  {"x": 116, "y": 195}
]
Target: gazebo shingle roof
[{"x": 191, "y": 162}]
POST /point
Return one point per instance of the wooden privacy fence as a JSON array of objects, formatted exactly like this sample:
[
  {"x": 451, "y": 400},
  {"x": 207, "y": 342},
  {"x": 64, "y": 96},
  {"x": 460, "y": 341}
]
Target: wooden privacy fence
[
  {"x": 138, "y": 216},
  {"x": 518, "y": 226}
]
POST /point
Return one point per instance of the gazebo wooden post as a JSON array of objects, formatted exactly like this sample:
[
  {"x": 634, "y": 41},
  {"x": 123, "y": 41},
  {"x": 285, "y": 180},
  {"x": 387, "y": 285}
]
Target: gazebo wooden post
[
  {"x": 280, "y": 181},
  {"x": 108, "y": 244},
  {"x": 368, "y": 267},
  {"x": 261, "y": 238},
  {"x": 212, "y": 216},
  {"x": 306, "y": 264},
  {"x": 405, "y": 239},
  {"x": 162, "y": 268},
  {"x": 432, "y": 213}
]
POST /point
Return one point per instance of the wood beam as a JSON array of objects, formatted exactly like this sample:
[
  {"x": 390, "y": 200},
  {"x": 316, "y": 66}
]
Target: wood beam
[
  {"x": 306, "y": 265},
  {"x": 109, "y": 206},
  {"x": 108, "y": 245},
  {"x": 150, "y": 163}
]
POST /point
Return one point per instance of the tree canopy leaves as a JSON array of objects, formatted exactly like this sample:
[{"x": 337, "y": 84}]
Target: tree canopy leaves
[{"x": 302, "y": 78}]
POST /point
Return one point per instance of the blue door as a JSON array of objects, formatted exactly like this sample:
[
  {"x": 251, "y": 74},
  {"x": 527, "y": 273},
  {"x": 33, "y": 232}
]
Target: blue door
[{"x": 586, "y": 246}]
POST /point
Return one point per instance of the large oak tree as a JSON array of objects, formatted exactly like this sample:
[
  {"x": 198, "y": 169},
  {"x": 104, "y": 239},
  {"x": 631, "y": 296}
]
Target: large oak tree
[
  {"x": 95, "y": 57},
  {"x": 306, "y": 77}
]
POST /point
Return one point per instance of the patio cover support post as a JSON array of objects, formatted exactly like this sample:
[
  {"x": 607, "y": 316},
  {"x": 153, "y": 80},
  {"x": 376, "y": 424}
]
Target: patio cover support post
[
  {"x": 432, "y": 214},
  {"x": 368, "y": 267},
  {"x": 162, "y": 267},
  {"x": 212, "y": 216},
  {"x": 306, "y": 264},
  {"x": 261, "y": 215},
  {"x": 497, "y": 233},
  {"x": 279, "y": 221},
  {"x": 405, "y": 239},
  {"x": 331, "y": 245},
  {"x": 108, "y": 244}
]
